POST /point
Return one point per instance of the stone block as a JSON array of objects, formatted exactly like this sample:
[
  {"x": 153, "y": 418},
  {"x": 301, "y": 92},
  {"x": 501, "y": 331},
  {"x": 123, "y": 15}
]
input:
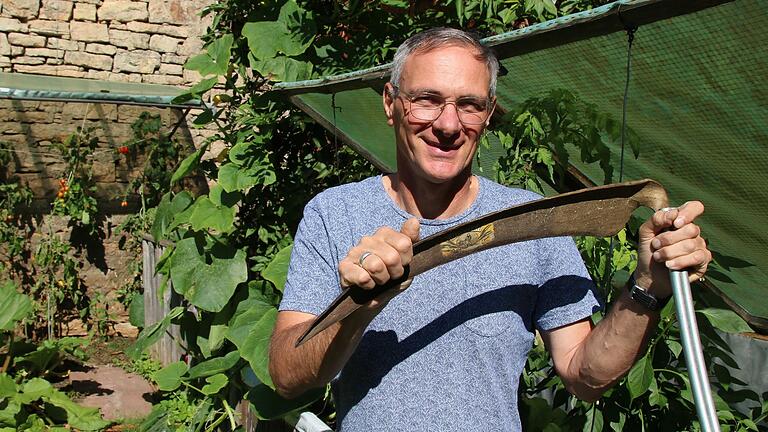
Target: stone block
[
  {"x": 5, "y": 62},
  {"x": 84, "y": 12},
  {"x": 163, "y": 44},
  {"x": 44, "y": 52},
  {"x": 43, "y": 186},
  {"x": 63, "y": 70},
  {"x": 142, "y": 27},
  {"x": 174, "y": 59},
  {"x": 26, "y": 40},
  {"x": 129, "y": 40},
  {"x": 58, "y": 10},
  {"x": 13, "y": 25},
  {"x": 21, "y": 8},
  {"x": 99, "y": 75},
  {"x": 19, "y": 105},
  {"x": 5, "y": 47},
  {"x": 88, "y": 32},
  {"x": 100, "y": 49},
  {"x": 143, "y": 62},
  {"x": 62, "y": 44},
  {"x": 191, "y": 76},
  {"x": 54, "y": 61},
  {"x": 49, "y": 28},
  {"x": 123, "y": 11},
  {"x": 17, "y": 50},
  {"x": 174, "y": 11},
  {"x": 171, "y": 69},
  {"x": 26, "y": 60},
  {"x": 90, "y": 61},
  {"x": 104, "y": 167},
  {"x": 89, "y": 112},
  {"x": 190, "y": 47},
  {"x": 162, "y": 79}
]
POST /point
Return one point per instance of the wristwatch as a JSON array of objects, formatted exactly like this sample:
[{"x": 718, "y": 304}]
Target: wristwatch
[{"x": 646, "y": 299}]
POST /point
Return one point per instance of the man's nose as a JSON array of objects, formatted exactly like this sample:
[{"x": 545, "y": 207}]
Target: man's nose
[{"x": 448, "y": 123}]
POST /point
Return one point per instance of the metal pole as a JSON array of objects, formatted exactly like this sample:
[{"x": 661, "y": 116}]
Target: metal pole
[{"x": 694, "y": 358}]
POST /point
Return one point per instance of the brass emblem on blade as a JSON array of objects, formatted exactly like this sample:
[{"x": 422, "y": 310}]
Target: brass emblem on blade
[{"x": 468, "y": 241}]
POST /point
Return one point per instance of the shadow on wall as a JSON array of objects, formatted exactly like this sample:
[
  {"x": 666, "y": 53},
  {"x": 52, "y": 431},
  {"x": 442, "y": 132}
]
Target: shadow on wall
[{"x": 30, "y": 130}]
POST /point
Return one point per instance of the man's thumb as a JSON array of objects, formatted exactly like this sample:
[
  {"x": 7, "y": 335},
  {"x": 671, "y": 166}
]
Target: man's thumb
[{"x": 411, "y": 229}]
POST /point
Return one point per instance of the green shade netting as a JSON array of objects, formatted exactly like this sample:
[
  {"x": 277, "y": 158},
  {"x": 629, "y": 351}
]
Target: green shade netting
[{"x": 698, "y": 107}]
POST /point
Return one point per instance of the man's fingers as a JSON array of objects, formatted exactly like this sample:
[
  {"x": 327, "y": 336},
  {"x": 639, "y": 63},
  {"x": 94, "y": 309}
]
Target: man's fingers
[
  {"x": 677, "y": 217},
  {"x": 351, "y": 274},
  {"x": 411, "y": 229}
]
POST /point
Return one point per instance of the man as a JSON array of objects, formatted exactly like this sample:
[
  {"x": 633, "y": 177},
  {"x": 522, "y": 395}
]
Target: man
[{"x": 447, "y": 353}]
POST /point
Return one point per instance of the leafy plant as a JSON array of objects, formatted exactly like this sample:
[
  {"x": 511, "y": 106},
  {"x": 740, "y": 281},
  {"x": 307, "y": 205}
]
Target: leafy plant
[{"x": 27, "y": 401}]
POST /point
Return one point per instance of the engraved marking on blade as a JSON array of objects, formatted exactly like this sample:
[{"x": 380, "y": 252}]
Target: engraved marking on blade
[{"x": 468, "y": 241}]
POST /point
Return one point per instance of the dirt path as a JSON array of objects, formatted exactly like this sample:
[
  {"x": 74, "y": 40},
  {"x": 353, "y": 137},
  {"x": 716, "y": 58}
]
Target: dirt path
[{"x": 119, "y": 394}]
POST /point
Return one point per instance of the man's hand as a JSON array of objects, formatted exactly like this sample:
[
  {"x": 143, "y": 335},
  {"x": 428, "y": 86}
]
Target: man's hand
[
  {"x": 384, "y": 256},
  {"x": 669, "y": 240}
]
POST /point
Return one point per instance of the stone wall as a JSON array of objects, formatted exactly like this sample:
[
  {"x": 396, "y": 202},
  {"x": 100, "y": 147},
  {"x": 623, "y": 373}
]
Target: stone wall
[
  {"x": 142, "y": 41},
  {"x": 116, "y": 40}
]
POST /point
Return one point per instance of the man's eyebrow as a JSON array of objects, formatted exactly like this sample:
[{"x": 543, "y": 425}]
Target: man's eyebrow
[{"x": 430, "y": 91}]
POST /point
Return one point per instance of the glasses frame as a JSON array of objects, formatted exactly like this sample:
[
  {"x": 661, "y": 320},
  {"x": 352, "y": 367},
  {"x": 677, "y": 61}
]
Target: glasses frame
[{"x": 489, "y": 103}]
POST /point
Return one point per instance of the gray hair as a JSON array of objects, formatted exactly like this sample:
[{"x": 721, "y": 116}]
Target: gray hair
[{"x": 440, "y": 37}]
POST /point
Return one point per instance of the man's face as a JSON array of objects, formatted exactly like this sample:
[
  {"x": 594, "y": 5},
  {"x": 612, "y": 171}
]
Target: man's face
[{"x": 440, "y": 150}]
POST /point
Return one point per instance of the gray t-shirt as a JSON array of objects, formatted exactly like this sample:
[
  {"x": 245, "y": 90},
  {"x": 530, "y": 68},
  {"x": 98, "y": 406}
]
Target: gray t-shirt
[{"x": 447, "y": 353}]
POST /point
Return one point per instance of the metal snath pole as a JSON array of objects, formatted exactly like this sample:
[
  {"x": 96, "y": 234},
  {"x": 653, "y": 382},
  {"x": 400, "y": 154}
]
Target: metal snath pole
[{"x": 694, "y": 358}]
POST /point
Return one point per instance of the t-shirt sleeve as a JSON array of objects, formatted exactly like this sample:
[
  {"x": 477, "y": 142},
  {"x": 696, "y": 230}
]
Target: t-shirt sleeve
[
  {"x": 566, "y": 293},
  {"x": 312, "y": 282}
]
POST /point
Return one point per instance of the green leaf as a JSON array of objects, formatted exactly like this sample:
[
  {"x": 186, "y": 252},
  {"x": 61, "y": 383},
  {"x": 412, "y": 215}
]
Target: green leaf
[
  {"x": 594, "y": 420},
  {"x": 674, "y": 346},
  {"x": 189, "y": 164},
  {"x": 153, "y": 333},
  {"x": 215, "y": 383},
  {"x": 277, "y": 269},
  {"x": 291, "y": 35},
  {"x": 136, "y": 311},
  {"x": 167, "y": 211},
  {"x": 208, "y": 286},
  {"x": 234, "y": 178},
  {"x": 640, "y": 377},
  {"x": 250, "y": 330},
  {"x": 14, "y": 306},
  {"x": 215, "y": 61},
  {"x": 207, "y": 215},
  {"x": 267, "y": 404},
  {"x": 282, "y": 68},
  {"x": 7, "y": 386},
  {"x": 215, "y": 365},
  {"x": 169, "y": 378},
  {"x": 196, "y": 91},
  {"x": 725, "y": 320}
]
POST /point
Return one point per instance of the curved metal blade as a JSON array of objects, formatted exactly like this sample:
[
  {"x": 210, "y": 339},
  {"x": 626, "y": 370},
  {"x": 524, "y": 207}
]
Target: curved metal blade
[{"x": 600, "y": 211}]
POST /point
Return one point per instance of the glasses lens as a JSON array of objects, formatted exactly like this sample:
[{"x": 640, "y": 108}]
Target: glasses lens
[
  {"x": 425, "y": 113},
  {"x": 472, "y": 118}
]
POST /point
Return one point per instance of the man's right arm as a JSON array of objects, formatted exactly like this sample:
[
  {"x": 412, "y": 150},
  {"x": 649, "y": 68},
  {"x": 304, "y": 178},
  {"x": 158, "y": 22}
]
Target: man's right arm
[{"x": 294, "y": 370}]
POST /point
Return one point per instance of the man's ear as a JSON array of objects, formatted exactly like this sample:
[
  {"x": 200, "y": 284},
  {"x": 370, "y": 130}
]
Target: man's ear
[
  {"x": 490, "y": 114},
  {"x": 389, "y": 103}
]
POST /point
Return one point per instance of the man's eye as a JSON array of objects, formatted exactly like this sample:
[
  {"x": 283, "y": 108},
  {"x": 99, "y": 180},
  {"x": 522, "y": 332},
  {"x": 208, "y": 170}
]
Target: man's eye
[
  {"x": 471, "y": 105},
  {"x": 427, "y": 101}
]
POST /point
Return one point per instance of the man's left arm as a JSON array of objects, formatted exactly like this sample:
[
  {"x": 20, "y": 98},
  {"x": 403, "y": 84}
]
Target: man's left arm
[{"x": 590, "y": 359}]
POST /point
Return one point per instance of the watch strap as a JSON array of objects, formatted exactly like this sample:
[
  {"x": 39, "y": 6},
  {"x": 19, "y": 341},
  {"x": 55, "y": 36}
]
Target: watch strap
[{"x": 644, "y": 298}]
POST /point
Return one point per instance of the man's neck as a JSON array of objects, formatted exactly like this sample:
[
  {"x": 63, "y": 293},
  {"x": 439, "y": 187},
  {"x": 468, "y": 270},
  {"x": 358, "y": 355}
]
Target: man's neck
[{"x": 429, "y": 200}]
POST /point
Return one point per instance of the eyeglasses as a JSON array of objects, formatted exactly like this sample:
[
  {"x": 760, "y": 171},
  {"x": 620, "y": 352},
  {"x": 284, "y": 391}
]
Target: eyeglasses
[{"x": 429, "y": 106}]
